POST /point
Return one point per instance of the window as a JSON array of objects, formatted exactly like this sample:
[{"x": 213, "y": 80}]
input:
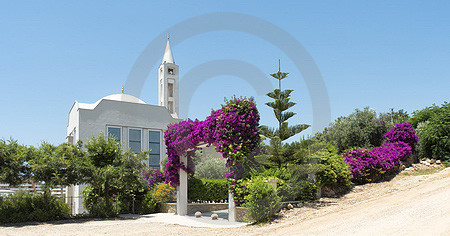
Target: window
[
  {"x": 154, "y": 144},
  {"x": 134, "y": 140},
  {"x": 115, "y": 133},
  {"x": 170, "y": 89},
  {"x": 170, "y": 107},
  {"x": 170, "y": 71}
]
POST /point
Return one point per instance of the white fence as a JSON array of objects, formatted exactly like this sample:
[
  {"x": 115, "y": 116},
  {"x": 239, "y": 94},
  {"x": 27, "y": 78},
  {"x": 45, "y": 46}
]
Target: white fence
[{"x": 5, "y": 189}]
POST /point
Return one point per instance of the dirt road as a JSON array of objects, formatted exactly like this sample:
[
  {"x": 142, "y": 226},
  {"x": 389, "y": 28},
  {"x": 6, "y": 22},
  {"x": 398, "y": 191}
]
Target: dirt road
[
  {"x": 406, "y": 205},
  {"x": 421, "y": 210}
]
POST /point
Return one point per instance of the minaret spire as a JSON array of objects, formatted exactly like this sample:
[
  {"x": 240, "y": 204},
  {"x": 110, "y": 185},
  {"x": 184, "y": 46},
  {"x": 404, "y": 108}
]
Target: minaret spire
[
  {"x": 168, "y": 78},
  {"x": 168, "y": 56}
]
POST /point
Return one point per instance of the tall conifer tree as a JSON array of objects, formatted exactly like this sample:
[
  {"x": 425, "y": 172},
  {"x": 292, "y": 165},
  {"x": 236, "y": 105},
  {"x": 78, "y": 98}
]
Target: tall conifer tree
[{"x": 280, "y": 105}]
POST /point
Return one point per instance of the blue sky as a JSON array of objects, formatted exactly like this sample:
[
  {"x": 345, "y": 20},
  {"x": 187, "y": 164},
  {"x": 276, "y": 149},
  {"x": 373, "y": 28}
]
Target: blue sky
[{"x": 380, "y": 54}]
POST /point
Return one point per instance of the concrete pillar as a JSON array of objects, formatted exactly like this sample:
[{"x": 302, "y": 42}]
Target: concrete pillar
[
  {"x": 182, "y": 190},
  {"x": 231, "y": 207}
]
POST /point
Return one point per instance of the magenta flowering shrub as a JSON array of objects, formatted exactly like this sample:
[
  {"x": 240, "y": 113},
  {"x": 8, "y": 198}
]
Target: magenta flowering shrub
[
  {"x": 401, "y": 150},
  {"x": 153, "y": 177},
  {"x": 233, "y": 130},
  {"x": 181, "y": 139},
  {"x": 360, "y": 162},
  {"x": 371, "y": 165},
  {"x": 404, "y": 133}
]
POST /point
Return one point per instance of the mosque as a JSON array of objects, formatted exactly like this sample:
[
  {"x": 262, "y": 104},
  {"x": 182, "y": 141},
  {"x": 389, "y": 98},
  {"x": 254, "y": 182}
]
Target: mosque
[{"x": 135, "y": 124}]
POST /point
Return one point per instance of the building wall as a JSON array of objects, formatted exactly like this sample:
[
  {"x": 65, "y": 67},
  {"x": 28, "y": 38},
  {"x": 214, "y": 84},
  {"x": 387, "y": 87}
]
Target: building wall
[
  {"x": 73, "y": 121},
  {"x": 126, "y": 115}
]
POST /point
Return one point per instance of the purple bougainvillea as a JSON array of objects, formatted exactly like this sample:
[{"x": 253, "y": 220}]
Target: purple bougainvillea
[
  {"x": 404, "y": 133},
  {"x": 153, "y": 177},
  {"x": 233, "y": 130},
  {"x": 371, "y": 165},
  {"x": 360, "y": 162}
]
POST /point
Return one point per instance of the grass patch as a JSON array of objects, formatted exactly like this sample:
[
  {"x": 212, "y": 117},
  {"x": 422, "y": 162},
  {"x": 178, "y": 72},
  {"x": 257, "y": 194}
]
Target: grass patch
[{"x": 423, "y": 171}]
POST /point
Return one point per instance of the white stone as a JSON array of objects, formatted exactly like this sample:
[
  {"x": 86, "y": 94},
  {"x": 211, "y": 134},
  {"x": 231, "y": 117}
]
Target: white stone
[
  {"x": 214, "y": 216},
  {"x": 438, "y": 162},
  {"x": 290, "y": 206},
  {"x": 198, "y": 214}
]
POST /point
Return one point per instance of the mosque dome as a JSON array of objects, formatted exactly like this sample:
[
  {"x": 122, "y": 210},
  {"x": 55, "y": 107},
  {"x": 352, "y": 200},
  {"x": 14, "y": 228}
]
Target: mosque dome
[{"x": 123, "y": 98}]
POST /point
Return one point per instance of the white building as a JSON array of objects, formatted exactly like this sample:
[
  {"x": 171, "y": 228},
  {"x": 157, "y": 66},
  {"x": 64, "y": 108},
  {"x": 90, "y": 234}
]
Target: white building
[{"x": 135, "y": 124}]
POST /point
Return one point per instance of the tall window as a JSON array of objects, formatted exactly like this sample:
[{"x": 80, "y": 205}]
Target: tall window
[
  {"x": 170, "y": 107},
  {"x": 115, "y": 132},
  {"x": 154, "y": 146},
  {"x": 170, "y": 86},
  {"x": 134, "y": 140}
]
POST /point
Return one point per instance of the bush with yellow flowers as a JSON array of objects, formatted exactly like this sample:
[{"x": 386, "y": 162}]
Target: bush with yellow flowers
[{"x": 163, "y": 192}]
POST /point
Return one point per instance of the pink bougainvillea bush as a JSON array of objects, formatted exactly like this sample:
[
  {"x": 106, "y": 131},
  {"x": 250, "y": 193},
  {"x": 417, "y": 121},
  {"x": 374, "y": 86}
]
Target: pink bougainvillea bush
[
  {"x": 181, "y": 139},
  {"x": 404, "y": 133},
  {"x": 233, "y": 130},
  {"x": 153, "y": 177},
  {"x": 372, "y": 165}
]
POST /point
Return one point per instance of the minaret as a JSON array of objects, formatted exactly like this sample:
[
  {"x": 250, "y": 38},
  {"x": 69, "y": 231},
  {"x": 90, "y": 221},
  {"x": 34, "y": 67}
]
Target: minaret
[{"x": 168, "y": 81}]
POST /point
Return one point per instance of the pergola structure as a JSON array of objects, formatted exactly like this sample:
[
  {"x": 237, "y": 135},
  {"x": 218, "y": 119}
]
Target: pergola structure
[
  {"x": 182, "y": 192},
  {"x": 232, "y": 130}
]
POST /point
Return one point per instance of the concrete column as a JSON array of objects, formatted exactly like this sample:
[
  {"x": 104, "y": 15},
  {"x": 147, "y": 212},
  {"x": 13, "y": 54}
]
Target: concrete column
[
  {"x": 231, "y": 207},
  {"x": 182, "y": 191}
]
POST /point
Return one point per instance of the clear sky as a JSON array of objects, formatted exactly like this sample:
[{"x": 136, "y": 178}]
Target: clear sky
[{"x": 380, "y": 54}]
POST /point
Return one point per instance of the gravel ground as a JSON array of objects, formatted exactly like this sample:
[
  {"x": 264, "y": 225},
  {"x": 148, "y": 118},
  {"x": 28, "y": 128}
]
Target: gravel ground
[{"x": 406, "y": 205}]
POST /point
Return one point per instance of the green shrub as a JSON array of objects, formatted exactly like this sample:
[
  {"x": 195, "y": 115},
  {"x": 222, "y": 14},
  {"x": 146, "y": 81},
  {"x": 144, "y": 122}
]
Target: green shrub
[
  {"x": 211, "y": 168},
  {"x": 149, "y": 204},
  {"x": 281, "y": 173},
  {"x": 214, "y": 190},
  {"x": 300, "y": 186},
  {"x": 334, "y": 173},
  {"x": 294, "y": 182},
  {"x": 262, "y": 200},
  {"x": 433, "y": 132},
  {"x": 24, "y": 206},
  {"x": 425, "y": 114},
  {"x": 363, "y": 128},
  {"x": 295, "y": 190},
  {"x": 96, "y": 204},
  {"x": 131, "y": 202},
  {"x": 240, "y": 191}
]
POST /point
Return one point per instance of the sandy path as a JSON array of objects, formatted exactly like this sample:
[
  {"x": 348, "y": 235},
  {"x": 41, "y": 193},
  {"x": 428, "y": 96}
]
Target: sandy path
[
  {"x": 407, "y": 205},
  {"x": 421, "y": 210}
]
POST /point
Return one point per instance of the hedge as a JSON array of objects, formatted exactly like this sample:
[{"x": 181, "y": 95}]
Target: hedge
[
  {"x": 24, "y": 206},
  {"x": 211, "y": 190}
]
